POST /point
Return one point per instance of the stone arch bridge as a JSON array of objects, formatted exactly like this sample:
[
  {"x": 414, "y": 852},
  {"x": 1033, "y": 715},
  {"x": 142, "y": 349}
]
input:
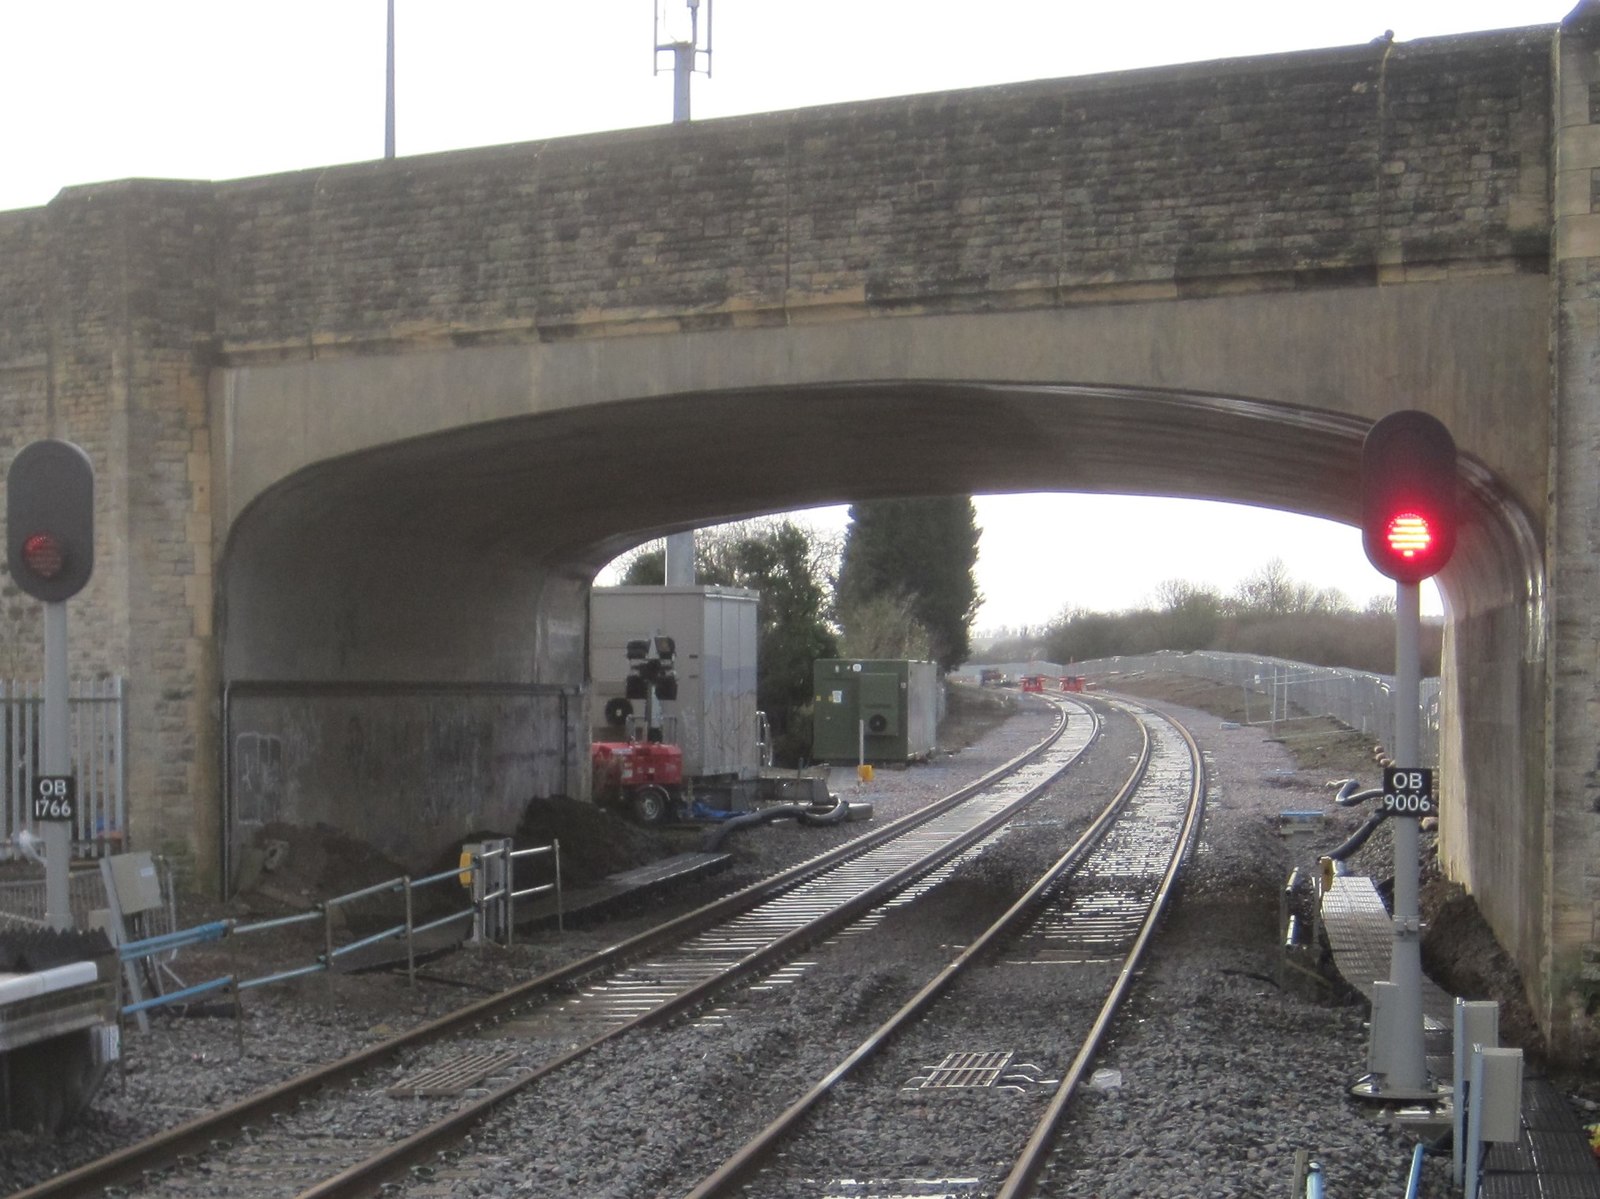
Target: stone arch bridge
[{"x": 364, "y": 434}]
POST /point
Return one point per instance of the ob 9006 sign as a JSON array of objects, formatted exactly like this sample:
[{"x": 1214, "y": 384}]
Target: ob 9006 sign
[
  {"x": 1408, "y": 791},
  {"x": 55, "y": 797}
]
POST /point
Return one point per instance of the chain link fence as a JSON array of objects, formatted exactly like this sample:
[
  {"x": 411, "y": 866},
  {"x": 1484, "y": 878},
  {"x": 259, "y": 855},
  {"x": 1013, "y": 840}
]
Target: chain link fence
[{"x": 1273, "y": 689}]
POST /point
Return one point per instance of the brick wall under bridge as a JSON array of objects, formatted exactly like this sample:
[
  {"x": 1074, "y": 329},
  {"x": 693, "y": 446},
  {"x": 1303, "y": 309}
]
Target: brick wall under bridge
[{"x": 363, "y": 434}]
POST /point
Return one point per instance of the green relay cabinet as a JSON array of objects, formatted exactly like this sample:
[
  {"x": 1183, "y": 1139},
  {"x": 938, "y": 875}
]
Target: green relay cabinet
[{"x": 876, "y": 710}]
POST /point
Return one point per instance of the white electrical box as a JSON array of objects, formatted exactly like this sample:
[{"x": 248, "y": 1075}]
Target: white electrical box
[
  {"x": 138, "y": 886},
  {"x": 714, "y": 718},
  {"x": 1499, "y": 1097}
]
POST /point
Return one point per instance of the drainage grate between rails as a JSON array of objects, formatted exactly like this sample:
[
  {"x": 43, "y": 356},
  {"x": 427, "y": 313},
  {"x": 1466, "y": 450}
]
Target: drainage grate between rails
[
  {"x": 995, "y": 1071},
  {"x": 964, "y": 1070},
  {"x": 453, "y": 1078},
  {"x": 899, "y": 1188}
]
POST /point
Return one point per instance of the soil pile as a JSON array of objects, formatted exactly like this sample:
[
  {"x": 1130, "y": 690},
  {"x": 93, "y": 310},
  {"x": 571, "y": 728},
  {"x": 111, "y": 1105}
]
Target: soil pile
[
  {"x": 1462, "y": 956},
  {"x": 595, "y": 841},
  {"x": 298, "y": 867}
]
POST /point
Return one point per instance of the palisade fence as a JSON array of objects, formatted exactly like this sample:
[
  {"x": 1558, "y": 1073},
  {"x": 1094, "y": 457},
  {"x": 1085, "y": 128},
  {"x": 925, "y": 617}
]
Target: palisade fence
[
  {"x": 1274, "y": 690},
  {"x": 97, "y": 717}
]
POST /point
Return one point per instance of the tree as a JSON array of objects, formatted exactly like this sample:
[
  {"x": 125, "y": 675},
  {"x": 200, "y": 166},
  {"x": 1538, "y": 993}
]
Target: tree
[
  {"x": 1190, "y": 614},
  {"x": 1078, "y": 635},
  {"x": 1381, "y": 605},
  {"x": 884, "y": 627},
  {"x": 920, "y": 553},
  {"x": 1267, "y": 592},
  {"x": 1271, "y": 592},
  {"x": 648, "y": 567}
]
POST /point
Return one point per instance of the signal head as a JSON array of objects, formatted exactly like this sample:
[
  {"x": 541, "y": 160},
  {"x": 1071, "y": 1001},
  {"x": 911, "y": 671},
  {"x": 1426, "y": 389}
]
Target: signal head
[
  {"x": 50, "y": 520},
  {"x": 1408, "y": 496}
]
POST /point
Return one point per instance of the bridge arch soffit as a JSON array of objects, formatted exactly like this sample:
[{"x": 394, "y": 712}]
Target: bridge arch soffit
[{"x": 546, "y": 498}]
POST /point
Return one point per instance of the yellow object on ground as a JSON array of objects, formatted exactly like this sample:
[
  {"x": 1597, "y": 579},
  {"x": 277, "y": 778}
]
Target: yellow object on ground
[{"x": 864, "y": 772}]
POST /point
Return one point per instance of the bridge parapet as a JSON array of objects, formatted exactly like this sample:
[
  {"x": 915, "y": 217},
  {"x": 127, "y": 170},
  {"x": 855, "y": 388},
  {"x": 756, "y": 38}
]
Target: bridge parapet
[{"x": 1323, "y": 168}]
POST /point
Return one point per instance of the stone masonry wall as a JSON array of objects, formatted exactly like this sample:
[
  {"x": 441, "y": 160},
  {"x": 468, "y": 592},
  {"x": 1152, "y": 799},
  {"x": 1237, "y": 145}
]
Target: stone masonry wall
[
  {"x": 110, "y": 348},
  {"x": 1330, "y": 168},
  {"x": 1308, "y": 169},
  {"x": 1574, "y": 544}
]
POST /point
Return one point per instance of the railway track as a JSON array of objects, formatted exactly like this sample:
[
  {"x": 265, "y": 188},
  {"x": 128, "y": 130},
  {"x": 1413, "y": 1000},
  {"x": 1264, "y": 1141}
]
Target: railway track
[
  {"x": 446, "y": 1076},
  {"x": 985, "y": 1114}
]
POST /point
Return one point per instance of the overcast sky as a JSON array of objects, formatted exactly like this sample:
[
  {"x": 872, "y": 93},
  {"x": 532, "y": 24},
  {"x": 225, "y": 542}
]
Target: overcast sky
[{"x": 94, "y": 90}]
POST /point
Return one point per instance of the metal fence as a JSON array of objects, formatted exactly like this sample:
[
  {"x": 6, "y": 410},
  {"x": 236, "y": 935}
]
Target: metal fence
[
  {"x": 97, "y": 717},
  {"x": 1273, "y": 689},
  {"x": 22, "y": 898},
  {"x": 487, "y": 913}
]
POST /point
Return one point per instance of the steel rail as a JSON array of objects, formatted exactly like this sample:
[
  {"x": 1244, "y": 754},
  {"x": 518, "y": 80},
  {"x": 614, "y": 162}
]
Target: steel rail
[
  {"x": 1024, "y": 1176},
  {"x": 196, "y": 1134},
  {"x": 738, "y": 1169},
  {"x": 362, "y": 1177}
]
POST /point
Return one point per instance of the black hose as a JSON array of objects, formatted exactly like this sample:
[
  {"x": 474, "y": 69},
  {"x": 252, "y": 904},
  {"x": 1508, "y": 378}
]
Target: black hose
[
  {"x": 1359, "y": 837},
  {"x": 714, "y": 838},
  {"x": 838, "y": 814},
  {"x": 1348, "y": 797}
]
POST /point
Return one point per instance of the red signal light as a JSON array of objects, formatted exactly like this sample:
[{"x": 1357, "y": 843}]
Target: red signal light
[
  {"x": 50, "y": 520},
  {"x": 1409, "y": 507},
  {"x": 1408, "y": 535},
  {"x": 41, "y": 553}
]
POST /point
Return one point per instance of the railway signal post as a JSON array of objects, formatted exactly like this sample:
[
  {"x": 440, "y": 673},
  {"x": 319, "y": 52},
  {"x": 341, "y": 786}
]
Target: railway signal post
[
  {"x": 50, "y": 553},
  {"x": 1408, "y": 525}
]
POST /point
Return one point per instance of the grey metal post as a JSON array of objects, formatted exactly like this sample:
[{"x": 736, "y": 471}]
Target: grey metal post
[
  {"x": 1407, "y": 1062},
  {"x": 411, "y": 940},
  {"x": 388, "y": 95},
  {"x": 680, "y": 560},
  {"x": 680, "y": 546},
  {"x": 1473, "y": 1150},
  {"x": 682, "y": 69},
  {"x": 1477, "y": 1024},
  {"x": 57, "y": 754}
]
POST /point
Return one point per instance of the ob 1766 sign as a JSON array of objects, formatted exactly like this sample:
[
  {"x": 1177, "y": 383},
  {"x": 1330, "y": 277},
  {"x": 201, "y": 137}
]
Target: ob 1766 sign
[
  {"x": 55, "y": 797},
  {"x": 1408, "y": 791}
]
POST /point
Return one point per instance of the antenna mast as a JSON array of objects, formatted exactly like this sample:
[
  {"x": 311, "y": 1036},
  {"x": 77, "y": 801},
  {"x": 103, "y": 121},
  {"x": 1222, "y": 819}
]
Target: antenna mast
[
  {"x": 683, "y": 43},
  {"x": 388, "y": 94}
]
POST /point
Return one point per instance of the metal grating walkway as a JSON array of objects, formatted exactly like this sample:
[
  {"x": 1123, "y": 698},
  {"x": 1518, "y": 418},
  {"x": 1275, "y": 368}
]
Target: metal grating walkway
[{"x": 1552, "y": 1158}]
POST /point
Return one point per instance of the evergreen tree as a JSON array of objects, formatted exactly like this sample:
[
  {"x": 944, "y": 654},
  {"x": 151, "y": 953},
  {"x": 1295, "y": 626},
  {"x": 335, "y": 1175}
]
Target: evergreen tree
[{"x": 920, "y": 553}]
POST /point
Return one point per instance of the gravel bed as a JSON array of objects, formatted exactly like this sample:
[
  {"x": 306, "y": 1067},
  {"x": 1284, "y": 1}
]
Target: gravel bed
[{"x": 1224, "y": 1074}]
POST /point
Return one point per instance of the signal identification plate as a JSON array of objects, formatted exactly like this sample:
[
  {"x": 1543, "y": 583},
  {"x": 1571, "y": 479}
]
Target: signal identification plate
[{"x": 1408, "y": 791}]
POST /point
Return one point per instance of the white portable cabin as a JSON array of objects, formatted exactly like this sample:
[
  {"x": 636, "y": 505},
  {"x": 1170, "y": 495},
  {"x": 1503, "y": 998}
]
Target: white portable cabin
[{"x": 714, "y": 718}]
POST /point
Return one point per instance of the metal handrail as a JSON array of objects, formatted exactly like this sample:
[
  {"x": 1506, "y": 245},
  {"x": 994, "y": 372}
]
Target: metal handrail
[
  {"x": 133, "y": 951},
  {"x": 198, "y": 989},
  {"x": 261, "y": 926},
  {"x": 393, "y": 884},
  {"x": 553, "y": 848},
  {"x": 502, "y": 899},
  {"x": 386, "y": 935}
]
